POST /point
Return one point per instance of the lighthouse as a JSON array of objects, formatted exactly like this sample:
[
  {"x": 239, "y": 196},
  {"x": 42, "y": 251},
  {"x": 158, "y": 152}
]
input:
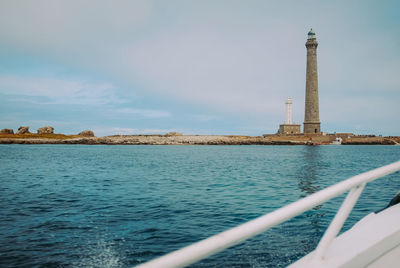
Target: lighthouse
[
  {"x": 311, "y": 115},
  {"x": 288, "y": 118},
  {"x": 288, "y": 127}
]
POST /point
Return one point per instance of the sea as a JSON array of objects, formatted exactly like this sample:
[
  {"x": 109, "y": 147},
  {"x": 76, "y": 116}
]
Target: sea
[{"x": 119, "y": 206}]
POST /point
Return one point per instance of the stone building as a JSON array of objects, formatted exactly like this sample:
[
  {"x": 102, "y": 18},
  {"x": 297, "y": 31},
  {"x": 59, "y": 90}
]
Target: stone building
[
  {"x": 288, "y": 127},
  {"x": 311, "y": 115}
]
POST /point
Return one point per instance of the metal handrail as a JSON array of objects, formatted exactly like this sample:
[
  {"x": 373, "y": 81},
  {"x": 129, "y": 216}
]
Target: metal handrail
[{"x": 236, "y": 235}]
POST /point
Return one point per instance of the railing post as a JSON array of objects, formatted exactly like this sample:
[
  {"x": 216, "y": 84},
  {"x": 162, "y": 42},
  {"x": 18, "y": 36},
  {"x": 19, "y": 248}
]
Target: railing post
[{"x": 338, "y": 221}]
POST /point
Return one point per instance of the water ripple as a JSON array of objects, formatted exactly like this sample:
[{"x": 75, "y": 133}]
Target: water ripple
[{"x": 118, "y": 206}]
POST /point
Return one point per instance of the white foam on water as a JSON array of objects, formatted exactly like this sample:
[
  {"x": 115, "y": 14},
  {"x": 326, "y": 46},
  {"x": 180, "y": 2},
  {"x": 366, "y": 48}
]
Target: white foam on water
[{"x": 101, "y": 254}]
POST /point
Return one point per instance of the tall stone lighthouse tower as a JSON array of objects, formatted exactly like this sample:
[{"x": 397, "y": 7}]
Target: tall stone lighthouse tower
[{"x": 311, "y": 115}]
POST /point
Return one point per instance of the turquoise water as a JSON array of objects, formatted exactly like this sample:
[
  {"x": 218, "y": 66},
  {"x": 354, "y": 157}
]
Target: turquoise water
[{"x": 118, "y": 206}]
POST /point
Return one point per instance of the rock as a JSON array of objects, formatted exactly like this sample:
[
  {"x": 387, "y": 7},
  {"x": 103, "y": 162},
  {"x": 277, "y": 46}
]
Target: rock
[
  {"x": 23, "y": 130},
  {"x": 45, "y": 130},
  {"x": 87, "y": 133},
  {"x": 173, "y": 134},
  {"x": 388, "y": 142},
  {"x": 7, "y": 131}
]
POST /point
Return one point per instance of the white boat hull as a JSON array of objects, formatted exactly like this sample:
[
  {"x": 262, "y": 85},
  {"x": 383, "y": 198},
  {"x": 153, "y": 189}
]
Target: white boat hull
[{"x": 372, "y": 242}]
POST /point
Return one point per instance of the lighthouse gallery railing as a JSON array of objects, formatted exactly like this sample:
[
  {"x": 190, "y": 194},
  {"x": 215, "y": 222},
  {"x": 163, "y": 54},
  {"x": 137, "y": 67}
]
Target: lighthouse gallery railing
[{"x": 236, "y": 235}]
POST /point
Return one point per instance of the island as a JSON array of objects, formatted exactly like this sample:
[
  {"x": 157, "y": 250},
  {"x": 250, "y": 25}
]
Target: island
[{"x": 46, "y": 135}]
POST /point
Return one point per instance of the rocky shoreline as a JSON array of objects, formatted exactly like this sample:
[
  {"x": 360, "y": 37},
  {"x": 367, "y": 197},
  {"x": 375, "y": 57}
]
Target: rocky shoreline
[
  {"x": 199, "y": 140},
  {"x": 46, "y": 135}
]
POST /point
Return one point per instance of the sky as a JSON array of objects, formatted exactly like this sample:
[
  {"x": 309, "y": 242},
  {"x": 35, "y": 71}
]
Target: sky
[{"x": 196, "y": 67}]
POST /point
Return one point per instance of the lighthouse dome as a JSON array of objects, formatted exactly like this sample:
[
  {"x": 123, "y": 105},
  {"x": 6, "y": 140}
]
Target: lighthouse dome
[{"x": 311, "y": 34}]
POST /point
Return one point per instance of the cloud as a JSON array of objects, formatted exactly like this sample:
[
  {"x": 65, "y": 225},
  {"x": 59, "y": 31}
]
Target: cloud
[
  {"x": 233, "y": 71},
  {"x": 225, "y": 57},
  {"x": 204, "y": 61},
  {"x": 144, "y": 112},
  {"x": 59, "y": 91},
  {"x": 130, "y": 131},
  {"x": 237, "y": 58},
  {"x": 71, "y": 25},
  {"x": 204, "y": 118}
]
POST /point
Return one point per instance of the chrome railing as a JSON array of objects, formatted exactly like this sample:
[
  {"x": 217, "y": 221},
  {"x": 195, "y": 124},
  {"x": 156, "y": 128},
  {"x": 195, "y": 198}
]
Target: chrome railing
[{"x": 236, "y": 235}]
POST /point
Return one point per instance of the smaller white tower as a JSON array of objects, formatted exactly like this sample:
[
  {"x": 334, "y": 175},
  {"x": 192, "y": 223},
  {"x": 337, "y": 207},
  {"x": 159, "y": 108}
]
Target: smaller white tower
[
  {"x": 288, "y": 127},
  {"x": 288, "y": 119}
]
